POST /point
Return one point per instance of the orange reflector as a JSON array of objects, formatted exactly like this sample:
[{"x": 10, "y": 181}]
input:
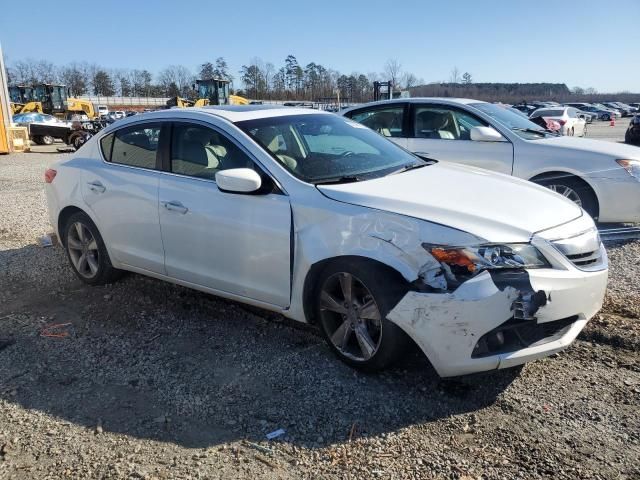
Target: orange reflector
[
  {"x": 453, "y": 257},
  {"x": 49, "y": 175}
]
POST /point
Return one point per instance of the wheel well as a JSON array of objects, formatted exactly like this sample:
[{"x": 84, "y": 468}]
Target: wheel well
[
  {"x": 552, "y": 175},
  {"x": 310, "y": 281},
  {"x": 63, "y": 217}
]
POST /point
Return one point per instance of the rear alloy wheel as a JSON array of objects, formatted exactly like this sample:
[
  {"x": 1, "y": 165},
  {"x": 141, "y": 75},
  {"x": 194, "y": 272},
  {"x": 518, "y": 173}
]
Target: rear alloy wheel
[
  {"x": 86, "y": 251},
  {"x": 352, "y": 302},
  {"x": 47, "y": 139},
  {"x": 575, "y": 190}
]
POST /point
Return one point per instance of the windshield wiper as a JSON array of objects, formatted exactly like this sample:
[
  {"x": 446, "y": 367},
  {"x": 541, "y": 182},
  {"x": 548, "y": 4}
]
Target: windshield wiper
[
  {"x": 533, "y": 130},
  {"x": 336, "y": 180},
  {"x": 410, "y": 167}
]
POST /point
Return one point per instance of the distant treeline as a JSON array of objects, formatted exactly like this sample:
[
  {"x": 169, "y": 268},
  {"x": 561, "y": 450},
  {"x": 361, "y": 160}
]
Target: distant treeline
[{"x": 519, "y": 92}]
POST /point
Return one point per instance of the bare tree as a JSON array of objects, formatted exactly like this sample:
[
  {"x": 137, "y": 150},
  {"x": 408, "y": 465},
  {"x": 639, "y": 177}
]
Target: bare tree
[
  {"x": 466, "y": 78},
  {"x": 409, "y": 80},
  {"x": 178, "y": 76},
  {"x": 393, "y": 70},
  {"x": 454, "y": 76}
]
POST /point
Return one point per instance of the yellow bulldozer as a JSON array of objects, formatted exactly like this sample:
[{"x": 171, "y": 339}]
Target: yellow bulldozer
[{"x": 210, "y": 92}]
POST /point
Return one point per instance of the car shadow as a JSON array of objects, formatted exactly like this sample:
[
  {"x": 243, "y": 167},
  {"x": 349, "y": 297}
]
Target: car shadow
[{"x": 154, "y": 360}]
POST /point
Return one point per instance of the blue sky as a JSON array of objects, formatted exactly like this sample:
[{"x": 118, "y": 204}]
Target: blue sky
[{"x": 589, "y": 43}]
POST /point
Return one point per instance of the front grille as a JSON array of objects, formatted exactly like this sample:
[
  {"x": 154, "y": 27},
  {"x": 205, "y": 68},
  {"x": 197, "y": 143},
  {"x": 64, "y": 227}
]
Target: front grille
[
  {"x": 583, "y": 249},
  {"x": 515, "y": 334}
]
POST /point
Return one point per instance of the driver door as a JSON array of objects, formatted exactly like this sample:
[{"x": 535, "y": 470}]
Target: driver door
[
  {"x": 229, "y": 242},
  {"x": 443, "y": 132}
]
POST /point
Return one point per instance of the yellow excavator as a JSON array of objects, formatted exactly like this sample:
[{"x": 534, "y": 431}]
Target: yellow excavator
[{"x": 210, "y": 92}]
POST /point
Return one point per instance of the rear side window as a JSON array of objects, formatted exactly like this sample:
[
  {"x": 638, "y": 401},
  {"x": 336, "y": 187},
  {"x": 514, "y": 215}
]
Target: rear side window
[
  {"x": 136, "y": 146},
  {"x": 105, "y": 144},
  {"x": 387, "y": 121}
]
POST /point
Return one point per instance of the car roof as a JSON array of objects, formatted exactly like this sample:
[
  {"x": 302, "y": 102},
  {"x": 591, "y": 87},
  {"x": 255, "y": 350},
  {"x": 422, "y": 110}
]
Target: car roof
[
  {"x": 445, "y": 100},
  {"x": 232, "y": 113}
]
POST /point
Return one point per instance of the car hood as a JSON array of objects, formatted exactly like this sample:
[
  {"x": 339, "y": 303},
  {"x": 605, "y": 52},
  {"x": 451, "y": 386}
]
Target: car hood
[
  {"x": 611, "y": 149},
  {"x": 496, "y": 207}
]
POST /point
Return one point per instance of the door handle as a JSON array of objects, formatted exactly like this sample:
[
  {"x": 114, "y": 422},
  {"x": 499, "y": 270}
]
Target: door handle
[
  {"x": 174, "y": 206},
  {"x": 96, "y": 187}
]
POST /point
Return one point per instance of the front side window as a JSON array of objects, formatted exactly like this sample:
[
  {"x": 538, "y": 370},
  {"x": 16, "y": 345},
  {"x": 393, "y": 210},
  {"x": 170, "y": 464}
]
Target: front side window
[
  {"x": 444, "y": 123},
  {"x": 386, "y": 121},
  {"x": 321, "y": 148},
  {"x": 136, "y": 146},
  {"x": 521, "y": 126},
  {"x": 199, "y": 151}
]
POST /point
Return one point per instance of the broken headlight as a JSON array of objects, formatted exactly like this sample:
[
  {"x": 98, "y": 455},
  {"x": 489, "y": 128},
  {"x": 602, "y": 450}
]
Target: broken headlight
[{"x": 471, "y": 260}]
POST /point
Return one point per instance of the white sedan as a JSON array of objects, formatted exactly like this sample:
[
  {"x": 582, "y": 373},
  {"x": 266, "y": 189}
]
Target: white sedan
[
  {"x": 601, "y": 177},
  {"x": 570, "y": 122},
  {"x": 321, "y": 219}
]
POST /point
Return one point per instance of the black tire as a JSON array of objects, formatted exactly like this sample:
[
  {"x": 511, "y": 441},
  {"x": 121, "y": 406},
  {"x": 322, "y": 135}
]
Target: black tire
[
  {"x": 38, "y": 140},
  {"x": 47, "y": 140},
  {"x": 386, "y": 288},
  {"x": 587, "y": 197},
  {"x": 606, "y": 117},
  {"x": 105, "y": 273}
]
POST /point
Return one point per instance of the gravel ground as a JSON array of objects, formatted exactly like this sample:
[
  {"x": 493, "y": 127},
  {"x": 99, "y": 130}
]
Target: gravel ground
[{"x": 153, "y": 380}]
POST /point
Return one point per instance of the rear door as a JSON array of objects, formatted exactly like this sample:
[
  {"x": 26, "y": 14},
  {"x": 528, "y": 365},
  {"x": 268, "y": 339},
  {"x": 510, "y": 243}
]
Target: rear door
[
  {"x": 233, "y": 243},
  {"x": 443, "y": 132},
  {"x": 388, "y": 119},
  {"x": 122, "y": 192}
]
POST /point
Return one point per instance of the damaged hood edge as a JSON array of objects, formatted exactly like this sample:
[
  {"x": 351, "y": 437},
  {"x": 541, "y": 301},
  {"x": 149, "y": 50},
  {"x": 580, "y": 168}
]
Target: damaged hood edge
[{"x": 496, "y": 207}]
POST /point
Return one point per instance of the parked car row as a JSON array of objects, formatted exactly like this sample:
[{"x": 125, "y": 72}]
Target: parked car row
[
  {"x": 322, "y": 219},
  {"x": 599, "y": 111}
]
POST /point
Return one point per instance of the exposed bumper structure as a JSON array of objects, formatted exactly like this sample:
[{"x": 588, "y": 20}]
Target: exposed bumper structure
[{"x": 479, "y": 327}]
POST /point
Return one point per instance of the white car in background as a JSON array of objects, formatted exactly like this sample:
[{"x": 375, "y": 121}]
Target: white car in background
[
  {"x": 570, "y": 122},
  {"x": 319, "y": 218},
  {"x": 601, "y": 177},
  {"x": 103, "y": 110}
]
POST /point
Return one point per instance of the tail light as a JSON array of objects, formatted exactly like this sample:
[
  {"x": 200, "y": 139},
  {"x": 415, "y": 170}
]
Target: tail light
[{"x": 49, "y": 175}]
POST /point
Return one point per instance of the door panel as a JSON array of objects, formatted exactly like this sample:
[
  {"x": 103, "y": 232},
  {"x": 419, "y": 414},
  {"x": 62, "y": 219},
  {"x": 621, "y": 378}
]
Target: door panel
[
  {"x": 442, "y": 132},
  {"x": 123, "y": 195},
  {"x": 230, "y": 242},
  {"x": 125, "y": 204}
]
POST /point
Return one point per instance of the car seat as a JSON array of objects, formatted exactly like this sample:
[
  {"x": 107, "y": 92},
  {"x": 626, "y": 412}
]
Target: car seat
[
  {"x": 434, "y": 124},
  {"x": 268, "y": 136}
]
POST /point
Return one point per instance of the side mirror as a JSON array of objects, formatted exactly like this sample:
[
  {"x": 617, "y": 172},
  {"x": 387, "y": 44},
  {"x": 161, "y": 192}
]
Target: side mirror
[
  {"x": 486, "y": 134},
  {"x": 238, "y": 180}
]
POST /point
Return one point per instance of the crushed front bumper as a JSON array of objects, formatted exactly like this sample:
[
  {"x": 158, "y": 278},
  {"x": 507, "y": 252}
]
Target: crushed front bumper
[{"x": 481, "y": 326}]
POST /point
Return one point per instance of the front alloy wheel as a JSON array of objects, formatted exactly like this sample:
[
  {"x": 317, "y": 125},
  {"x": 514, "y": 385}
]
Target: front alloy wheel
[
  {"x": 350, "y": 316},
  {"x": 353, "y": 296}
]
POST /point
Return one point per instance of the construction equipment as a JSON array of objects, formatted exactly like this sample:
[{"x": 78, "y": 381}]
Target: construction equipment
[
  {"x": 75, "y": 106},
  {"x": 52, "y": 97},
  {"x": 382, "y": 90},
  {"x": 22, "y": 100},
  {"x": 212, "y": 91}
]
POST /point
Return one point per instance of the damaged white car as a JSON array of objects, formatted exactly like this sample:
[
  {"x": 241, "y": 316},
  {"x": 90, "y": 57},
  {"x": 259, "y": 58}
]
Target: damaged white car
[{"x": 319, "y": 218}]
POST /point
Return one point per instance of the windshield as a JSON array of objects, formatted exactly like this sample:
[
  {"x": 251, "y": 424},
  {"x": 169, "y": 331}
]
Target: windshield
[
  {"x": 518, "y": 124},
  {"x": 320, "y": 148}
]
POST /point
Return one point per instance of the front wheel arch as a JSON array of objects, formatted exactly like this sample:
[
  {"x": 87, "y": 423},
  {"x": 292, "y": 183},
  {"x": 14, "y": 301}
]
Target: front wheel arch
[
  {"x": 311, "y": 279},
  {"x": 542, "y": 177}
]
